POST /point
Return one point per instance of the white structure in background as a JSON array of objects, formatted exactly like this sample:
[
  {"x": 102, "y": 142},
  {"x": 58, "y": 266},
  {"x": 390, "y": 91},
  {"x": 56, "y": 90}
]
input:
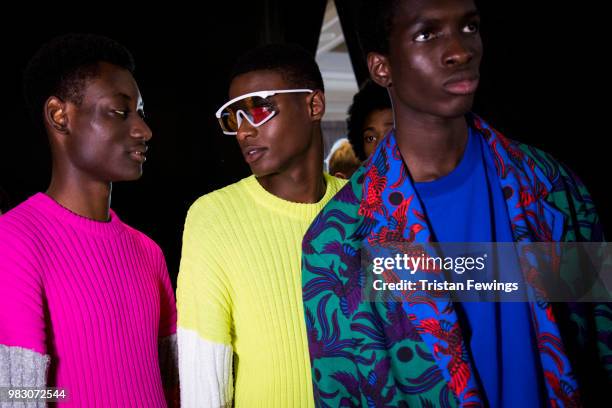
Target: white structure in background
[{"x": 338, "y": 76}]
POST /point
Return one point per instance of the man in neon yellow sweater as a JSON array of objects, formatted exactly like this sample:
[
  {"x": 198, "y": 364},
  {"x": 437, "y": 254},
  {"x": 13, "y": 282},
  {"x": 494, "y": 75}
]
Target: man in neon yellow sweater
[{"x": 242, "y": 335}]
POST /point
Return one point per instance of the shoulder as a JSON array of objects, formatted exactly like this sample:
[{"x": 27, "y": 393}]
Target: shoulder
[
  {"x": 22, "y": 216},
  {"x": 560, "y": 180},
  {"x": 22, "y": 228},
  {"x": 147, "y": 247},
  {"x": 545, "y": 162},
  {"x": 23, "y": 239},
  {"x": 348, "y": 194},
  {"x": 339, "y": 219},
  {"x": 334, "y": 183},
  {"x": 528, "y": 157},
  {"x": 143, "y": 239},
  {"x": 218, "y": 204},
  {"x": 552, "y": 179}
]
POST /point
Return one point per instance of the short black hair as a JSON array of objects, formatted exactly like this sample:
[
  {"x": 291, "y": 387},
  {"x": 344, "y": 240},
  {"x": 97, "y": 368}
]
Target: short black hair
[
  {"x": 62, "y": 67},
  {"x": 296, "y": 65},
  {"x": 375, "y": 24},
  {"x": 371, "y": 97}
]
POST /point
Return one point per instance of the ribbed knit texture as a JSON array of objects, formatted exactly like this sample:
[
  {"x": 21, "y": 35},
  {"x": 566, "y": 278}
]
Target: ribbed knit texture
[
  {"x": 240, "y": 285},
  {"x": 94, "y": 296}
]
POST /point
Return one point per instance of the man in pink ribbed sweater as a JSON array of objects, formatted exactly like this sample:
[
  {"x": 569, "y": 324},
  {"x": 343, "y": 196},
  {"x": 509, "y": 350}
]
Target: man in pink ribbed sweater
[{"x": 86, "y": 303}]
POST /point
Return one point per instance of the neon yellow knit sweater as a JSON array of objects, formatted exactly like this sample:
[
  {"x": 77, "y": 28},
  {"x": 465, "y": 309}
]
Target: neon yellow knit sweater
[{"x": 239, "y": 298}]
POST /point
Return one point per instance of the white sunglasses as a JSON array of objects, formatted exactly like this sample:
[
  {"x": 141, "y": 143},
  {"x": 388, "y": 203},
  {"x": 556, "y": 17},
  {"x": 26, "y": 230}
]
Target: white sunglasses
[{"x": 254, "y": 107}]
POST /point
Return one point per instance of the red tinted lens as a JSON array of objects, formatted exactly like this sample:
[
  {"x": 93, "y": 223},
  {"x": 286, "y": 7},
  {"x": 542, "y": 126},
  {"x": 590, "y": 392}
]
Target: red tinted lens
[
  {"x": 258, "y": 114},
  {"x": 255, "y": 108}
]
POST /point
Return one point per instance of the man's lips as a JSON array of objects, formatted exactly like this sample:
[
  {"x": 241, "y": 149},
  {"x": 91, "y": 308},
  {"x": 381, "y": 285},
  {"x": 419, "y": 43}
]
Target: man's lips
[
  {"x": 463, "y": 85},
  {"x": 138, "y": 154},
  {"x": 253, "y": 153}
]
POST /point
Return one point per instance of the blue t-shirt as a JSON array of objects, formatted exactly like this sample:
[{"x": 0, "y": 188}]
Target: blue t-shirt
[{"x": 468, "y": 205}]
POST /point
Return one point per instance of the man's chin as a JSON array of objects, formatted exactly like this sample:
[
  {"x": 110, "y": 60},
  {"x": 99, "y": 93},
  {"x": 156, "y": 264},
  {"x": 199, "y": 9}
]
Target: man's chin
[
  {"x": 460, "y": 108},
  {"x": 260, "y": 172}
]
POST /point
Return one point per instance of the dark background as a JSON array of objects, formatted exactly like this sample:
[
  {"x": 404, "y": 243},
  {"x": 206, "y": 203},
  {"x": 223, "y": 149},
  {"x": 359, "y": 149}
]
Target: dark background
[{"x": 543, "y": 83}]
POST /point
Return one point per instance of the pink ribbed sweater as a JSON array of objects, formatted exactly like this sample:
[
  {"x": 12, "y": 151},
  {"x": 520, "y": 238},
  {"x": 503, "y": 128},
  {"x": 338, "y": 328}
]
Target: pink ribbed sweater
[{"x": 93, "y": 296}]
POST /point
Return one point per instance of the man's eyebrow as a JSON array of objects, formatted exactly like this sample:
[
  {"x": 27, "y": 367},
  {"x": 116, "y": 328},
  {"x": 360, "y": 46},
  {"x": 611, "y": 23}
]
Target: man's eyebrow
[
  {"x": 128, "y": 98},
  {"x": 471, "y": 14},
  {"x": 425, "y": 20},
  {"x": 123, "y": 96}
]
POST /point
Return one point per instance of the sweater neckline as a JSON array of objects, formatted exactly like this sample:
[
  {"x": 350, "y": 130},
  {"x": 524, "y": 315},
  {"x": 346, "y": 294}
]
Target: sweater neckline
[
  {"x": 289, "y": 208},
  {"x": 66, "y": 216}
]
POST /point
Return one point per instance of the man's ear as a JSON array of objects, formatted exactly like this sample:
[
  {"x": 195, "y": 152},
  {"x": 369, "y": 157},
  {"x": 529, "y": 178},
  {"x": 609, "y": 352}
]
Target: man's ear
[
  {"x": 56, "y": 114},
  {"x": 380, "y": 72},
  {"x": 317, "y": 105}
]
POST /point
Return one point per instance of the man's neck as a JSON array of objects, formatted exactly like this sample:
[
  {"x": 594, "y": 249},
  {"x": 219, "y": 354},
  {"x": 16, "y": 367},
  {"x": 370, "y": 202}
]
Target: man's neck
[
  {"x": 295, "y": 187},
  {"x": 86, "y": 198},
  {"x": 302, "y": 182},
  {"x": 431, "y": 146}
]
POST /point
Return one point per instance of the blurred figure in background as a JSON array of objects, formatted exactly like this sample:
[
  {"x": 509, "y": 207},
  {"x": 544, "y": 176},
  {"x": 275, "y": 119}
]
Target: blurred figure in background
[
  {"x": 342, "y": 160},
  {"x": 370, "y": 118}
]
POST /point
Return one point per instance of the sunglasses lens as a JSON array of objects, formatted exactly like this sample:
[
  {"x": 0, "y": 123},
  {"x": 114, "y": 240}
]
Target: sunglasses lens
[
  {"x": 228, "y": 121},
  {"x": 255, "y": 108},
  {"x": 259, "y": 114}
]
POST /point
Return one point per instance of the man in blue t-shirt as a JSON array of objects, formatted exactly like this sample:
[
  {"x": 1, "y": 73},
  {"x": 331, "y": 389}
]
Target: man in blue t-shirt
[{"x": 444, "y": 175}]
